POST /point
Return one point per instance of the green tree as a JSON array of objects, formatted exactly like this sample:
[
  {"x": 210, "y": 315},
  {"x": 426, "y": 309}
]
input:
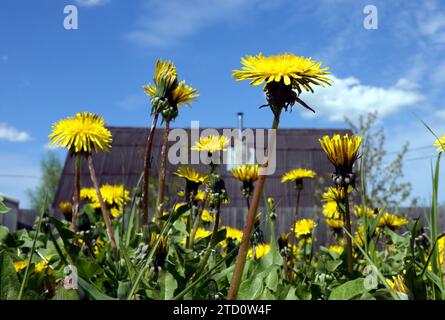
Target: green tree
[
  {"x": 384, "y": 185},
  {"x": 51, "y": 169}
]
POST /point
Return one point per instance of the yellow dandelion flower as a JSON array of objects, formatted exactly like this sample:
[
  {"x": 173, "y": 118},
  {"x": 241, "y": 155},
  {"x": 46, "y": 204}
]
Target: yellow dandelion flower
[
  {"x": 234, "y": 233},
  {"x": 440, "y": 143},
  {"x": 115, "y": 195},
  {"x": 200, "y": 195},
  {"x": 303, "y": 227},
  {"x": 20, "y": 265},
  {"x": 164, "y": 69},
  {"x": 150, "y": 90},
  {"x": 207, "y": 217},
  {"x": 42, "y": 265},
  {"x": 165, "y": 79},
  {"x": 358, "y": 211},
  {"x": 246, "y": 173},
  {"x": 330, "y": 210},
  {"x": 297, "y": 72},
  {"x": 297, "y": 174},
  {"x": 82, "y": 133},
  {"x": 190, "y": 174},
  {"x": 200, "y": 234},
  {"x": 211, "y": 144},
  {"x": 359, "y": 235},
  {"x": 391, "y": 221},
  {"x": 441, "y": 249},
  {"x": 182, "y": 94},
  {"x": 335, "y": 194},
  {"x": 398, "y": 284},
  {"x": 98, "y": 246},
  {"x": 115, "y": 212},
  {"x": 260, "y": 251},
  {"x": 341, "y": 151},
  {"x": 90, "y": 196},
  {"x": 337, "y": 249},
  {"x": 335, "y": 224},
  {"x": 65, "y": 207}
]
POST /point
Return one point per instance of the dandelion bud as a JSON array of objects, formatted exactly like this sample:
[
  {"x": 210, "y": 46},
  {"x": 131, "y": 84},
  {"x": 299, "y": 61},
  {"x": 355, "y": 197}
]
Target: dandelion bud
[{"x": 338, "y": 181}]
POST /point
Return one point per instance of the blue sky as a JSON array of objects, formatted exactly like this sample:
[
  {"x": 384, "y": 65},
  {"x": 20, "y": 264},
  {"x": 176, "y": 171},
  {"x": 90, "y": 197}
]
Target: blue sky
[{"x": 48, "y": 73}]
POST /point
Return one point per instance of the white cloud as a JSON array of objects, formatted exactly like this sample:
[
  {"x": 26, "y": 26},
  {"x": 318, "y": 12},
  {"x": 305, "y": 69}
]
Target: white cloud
[
  {"x": 349, "y": 97},
  {"x": 163, "y": 23},
  {"x": 431, "y": 21},
  {"x": 91, "y": 3},
  {"x": 11, "y": 134}
]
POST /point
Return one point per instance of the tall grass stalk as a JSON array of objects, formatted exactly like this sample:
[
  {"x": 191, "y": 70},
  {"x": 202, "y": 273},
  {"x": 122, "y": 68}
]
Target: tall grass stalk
[
  {"x": 250, "y": 221},
  {"x": 434, "y": 219},
  {"x": 76, "y": 193},
  {"x": 105, "y": 215},
  {"x": 147, "y": 166},
  {"x": 163, "y": 169},
  {"x": 434, "y": 209},
  {"x": 347, "y": 221}
]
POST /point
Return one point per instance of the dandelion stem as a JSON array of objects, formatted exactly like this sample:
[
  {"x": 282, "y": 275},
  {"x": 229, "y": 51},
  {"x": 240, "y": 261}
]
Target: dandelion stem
[
  {"x": 292, "y": 233},
  {"x": 189, "y": 227},
  {"x": 198, "y": 219},
  {"x": 147, "y": 166},
  {"x": 102, "y": 204},
  {"x": 211, "y": 245},
  {"x": 76, "y": 194},
  {"x": 250, "y": 221},
  {"x": 347, "y": 220},
  {"x": 163, "y": 169}
]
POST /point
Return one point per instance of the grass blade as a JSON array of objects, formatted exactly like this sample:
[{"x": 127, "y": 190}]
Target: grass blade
[{"x": 31, "y": 255}]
